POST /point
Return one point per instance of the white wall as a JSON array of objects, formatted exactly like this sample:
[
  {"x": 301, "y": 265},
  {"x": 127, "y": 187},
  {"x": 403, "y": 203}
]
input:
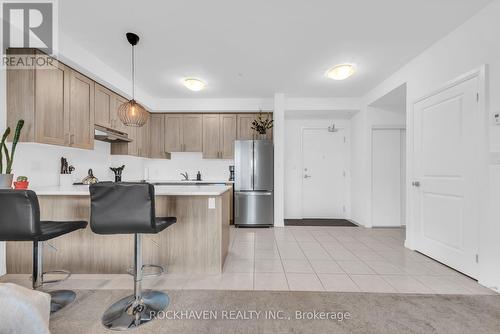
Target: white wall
[
  {"x": 470, "y": 46},
  {"x": 293, "y": 161},
  {"x": 361, "y": 157}
]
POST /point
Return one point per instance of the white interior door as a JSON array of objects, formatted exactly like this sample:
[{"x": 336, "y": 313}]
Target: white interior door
[
  {"x": 447, "y": 128},
  {"x": 387, "y": 177},
  {"x": 323, "y": 175}
]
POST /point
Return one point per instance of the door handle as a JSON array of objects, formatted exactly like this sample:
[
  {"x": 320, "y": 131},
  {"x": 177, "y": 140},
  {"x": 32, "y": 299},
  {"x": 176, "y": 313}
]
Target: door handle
[
  {"x": 307, "y": 176},
  {"x": 415, "y": 184},
  {"x": 267, "y": 193}
]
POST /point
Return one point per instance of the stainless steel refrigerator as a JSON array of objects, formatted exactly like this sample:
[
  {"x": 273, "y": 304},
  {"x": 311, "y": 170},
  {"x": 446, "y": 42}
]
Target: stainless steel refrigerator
[{"x": 254, "y": 183}]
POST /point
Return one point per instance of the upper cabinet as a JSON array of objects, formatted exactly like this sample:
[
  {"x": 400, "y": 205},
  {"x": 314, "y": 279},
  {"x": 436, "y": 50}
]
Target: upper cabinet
[
  {"x": 211, "y": 136},
  {"x": 56, "y": 103},
  {"x": 116, "y": 123},
  {"x": 192, "y": 129},
  {"x": 81, "y": 111},
  {"x": 60, "y": 107},
  {"x": 183, "y": 133},
  {"x": 245, "y": 131},
  {"x": 244, "y": 126},
  {"x": 103, "y": 105},
  {"x": 219, "y": 134},
  {"x": 227, "y": 135},
  {"x": 173, "y": 133},
  {"x": 157, "y": 137},
  {"x": 50, "y": 112}
]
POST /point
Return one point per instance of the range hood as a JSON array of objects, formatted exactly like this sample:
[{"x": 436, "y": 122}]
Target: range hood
[{"x": 110, "y": 135}]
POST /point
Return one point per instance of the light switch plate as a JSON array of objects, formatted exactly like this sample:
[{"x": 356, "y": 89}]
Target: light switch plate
[{"x": 211, "y": 203}]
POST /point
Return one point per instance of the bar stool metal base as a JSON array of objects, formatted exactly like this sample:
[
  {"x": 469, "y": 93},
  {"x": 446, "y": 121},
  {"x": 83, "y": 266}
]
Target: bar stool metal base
[
  {"x": 60, "y": 298},
  {"x": 127, "y": 314}
]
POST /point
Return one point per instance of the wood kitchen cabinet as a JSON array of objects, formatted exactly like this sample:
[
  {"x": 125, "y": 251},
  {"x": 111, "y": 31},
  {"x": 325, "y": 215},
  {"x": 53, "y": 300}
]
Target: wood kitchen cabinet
[
  {"x": 139, "y": 146},
  {"x": 211, "y": 136},
  {"x": 244, "y": 126},
  {"x": 192, "y": 133},
  {"x": 228, "y": 131},
  {"x": 219, "y": 134},
  {"x": 41, "y": 98},
  {"x": 143, "y": 140},
  {"x": 56, "y": 103},
  {"x": 107, "y": 103},
  {"x": 157, "y": 137},
  {"x": 81, "y": 111},
  {"x": 183, "y": 133},
  {"x": 173, "y": 133},
  {"x": 245, "y": 131},
  {"x": 269, "y": 133},
  {"x": 103, "y": 104},
  {"x": 51, "y": 107}
]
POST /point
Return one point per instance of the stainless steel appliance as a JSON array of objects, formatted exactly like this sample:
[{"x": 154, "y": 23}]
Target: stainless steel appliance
[{"x": 254, "y": 183}]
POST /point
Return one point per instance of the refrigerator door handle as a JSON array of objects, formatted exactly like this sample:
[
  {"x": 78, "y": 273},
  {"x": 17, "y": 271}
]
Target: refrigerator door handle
[
  {"x": 262, "y": 193},
  {"x": 253, "y": 165}
]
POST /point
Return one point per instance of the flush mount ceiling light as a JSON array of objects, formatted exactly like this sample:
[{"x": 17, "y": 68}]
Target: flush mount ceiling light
[
  {"x": 194, "y": 84},
  {"x": 340, "y": 72},
  {"x": 132, "y": 113}
]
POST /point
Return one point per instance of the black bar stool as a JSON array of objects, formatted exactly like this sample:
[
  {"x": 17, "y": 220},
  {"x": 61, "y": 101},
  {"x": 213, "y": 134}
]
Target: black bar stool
[
  {"x": 20, "y": 221},
  {"x": 129, "y": 208}
]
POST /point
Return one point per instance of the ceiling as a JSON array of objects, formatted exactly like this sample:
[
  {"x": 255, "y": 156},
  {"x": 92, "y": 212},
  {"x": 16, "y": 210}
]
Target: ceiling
[{"x": 246, "y": 49}]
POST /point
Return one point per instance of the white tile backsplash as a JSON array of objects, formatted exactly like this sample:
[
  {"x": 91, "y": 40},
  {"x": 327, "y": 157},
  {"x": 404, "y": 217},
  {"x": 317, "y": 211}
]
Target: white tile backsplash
[
  {"x": 211, "y": 169},
  {"x": 41, "y": 164}
]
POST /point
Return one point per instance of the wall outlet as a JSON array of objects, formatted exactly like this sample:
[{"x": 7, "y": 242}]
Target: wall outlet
[{"x": 211, "y": 203}]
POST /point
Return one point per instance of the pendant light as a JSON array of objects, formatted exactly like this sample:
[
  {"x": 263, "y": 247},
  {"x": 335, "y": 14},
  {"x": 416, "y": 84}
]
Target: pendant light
[{"x": 132, "y": 113}]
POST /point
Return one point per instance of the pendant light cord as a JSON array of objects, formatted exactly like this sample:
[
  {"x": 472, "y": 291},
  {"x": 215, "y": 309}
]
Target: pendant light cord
[{"x": 133, "y": 73}]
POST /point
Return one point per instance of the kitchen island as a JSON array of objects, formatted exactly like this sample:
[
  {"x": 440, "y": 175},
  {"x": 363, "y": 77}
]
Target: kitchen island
[{"x": 197, "y": 243}]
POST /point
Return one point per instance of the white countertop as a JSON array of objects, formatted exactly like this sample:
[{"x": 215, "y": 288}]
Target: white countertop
[
  {"x": 188, "y": 190},
  {"x": 191, "y": 181}
]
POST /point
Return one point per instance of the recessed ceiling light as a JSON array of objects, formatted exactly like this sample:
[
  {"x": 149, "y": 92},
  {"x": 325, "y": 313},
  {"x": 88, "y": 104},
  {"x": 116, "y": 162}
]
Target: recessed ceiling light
[
  {"x": 340, "y": 72},
  {"x": 194, "y": 84}
]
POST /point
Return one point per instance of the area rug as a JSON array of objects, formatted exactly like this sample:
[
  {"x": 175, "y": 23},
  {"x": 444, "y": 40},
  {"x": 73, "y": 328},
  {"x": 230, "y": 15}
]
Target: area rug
[{"x": 203, "y": 311}]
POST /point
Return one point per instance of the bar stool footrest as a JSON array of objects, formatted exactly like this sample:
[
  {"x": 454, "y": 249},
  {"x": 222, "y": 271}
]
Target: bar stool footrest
[
  {"x": 61, "y": 271},
  {"x": 159, "y": 270}
]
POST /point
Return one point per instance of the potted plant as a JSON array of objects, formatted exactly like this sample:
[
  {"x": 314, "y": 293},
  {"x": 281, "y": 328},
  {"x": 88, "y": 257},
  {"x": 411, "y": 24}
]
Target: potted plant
[
  {"x": 7, "y": 176},
  {"x": 21, "y": 183},
  {"x": 261, "y": 125}
]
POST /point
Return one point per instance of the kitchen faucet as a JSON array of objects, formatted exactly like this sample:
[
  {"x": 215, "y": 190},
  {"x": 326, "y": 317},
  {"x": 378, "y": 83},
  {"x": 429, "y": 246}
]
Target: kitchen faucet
[{"x": 186, "y": 176}]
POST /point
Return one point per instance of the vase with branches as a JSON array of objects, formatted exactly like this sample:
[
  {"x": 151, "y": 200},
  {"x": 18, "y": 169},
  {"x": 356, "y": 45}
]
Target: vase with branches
[
  {"x": 261, "y": 124},
  {"x": 7, "y": 176}
]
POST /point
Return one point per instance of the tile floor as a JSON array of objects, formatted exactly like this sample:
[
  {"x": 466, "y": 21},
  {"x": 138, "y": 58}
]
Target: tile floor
[{"x": 346, "y": 259}]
